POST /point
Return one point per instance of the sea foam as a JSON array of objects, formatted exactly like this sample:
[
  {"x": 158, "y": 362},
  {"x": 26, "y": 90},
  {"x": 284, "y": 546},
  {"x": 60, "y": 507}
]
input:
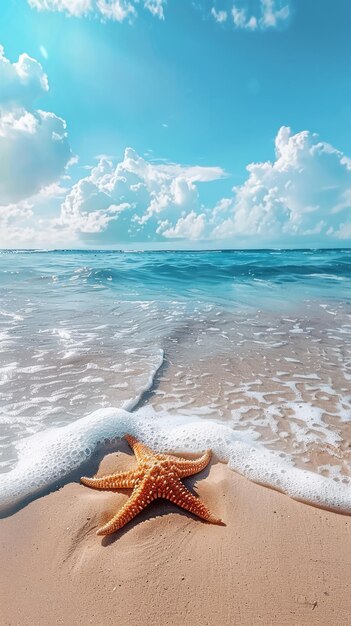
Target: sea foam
[{"x": 46, "y": 458}]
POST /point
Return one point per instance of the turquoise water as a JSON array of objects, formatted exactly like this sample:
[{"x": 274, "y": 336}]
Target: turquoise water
[
  {"x": 228, "y": 278},
  {"x": 256, "y": 341}
]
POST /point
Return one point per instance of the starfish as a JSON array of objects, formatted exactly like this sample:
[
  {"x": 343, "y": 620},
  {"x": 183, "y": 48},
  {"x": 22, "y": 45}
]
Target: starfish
[{"x": 156, "y": 476}]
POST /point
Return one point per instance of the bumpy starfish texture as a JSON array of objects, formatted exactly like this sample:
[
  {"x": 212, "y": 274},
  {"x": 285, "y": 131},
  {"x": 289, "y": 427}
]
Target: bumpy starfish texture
[{"x": 156, "y": 476}]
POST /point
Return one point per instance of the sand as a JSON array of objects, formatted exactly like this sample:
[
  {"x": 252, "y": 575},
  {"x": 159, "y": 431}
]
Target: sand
[{"x": 276, "y": 562}]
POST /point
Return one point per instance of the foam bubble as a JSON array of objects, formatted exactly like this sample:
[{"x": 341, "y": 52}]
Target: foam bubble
[{"x": 46, "y": 458}]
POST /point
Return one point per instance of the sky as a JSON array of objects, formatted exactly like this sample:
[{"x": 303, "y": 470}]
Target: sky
[{"x": 175, "y": 124}]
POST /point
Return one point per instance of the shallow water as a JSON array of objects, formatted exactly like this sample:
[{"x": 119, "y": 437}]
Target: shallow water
[{"x": 258, "y": 341}]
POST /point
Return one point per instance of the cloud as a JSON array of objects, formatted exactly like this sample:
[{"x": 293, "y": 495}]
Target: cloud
[
  {"x": 303, "y": 195},
  {"x": 19, "y": 228},
  {"x": 300, "y": 198},
  {"x": 136, "y": 200},
  {"x": 219, "y": 16},
  {"x": 253, "y": 16},
  {"x": 115, "y": 10},
  {"x": 33, "y": 152},
  {"x": 305, "y": 192},
  {"x": 16, "y": 224},
  {"x": 245, "y": 14},
  {"x": 29, "y": 223},
  {"x": 77, "y": 8},
  {"x": 34, "y": 149},
  {"x": 190, "y": 226},
  {"x": 22, "y": 82},
  {"x": 155, "y": 7}
]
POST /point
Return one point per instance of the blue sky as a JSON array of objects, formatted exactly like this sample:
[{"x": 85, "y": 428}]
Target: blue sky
[{"x": 199, "y": 90}]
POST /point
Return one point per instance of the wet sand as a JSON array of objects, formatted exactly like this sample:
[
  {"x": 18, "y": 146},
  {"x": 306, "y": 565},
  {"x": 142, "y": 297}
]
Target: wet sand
[{"x": 277, "y": 561}]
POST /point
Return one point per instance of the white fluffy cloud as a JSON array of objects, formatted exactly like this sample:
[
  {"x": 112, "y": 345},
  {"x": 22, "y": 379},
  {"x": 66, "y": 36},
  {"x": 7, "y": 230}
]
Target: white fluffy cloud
[
  {"x": 23, "y": 81},
  {"x": 136, "y": 200},
  {"x": 190, "y": 226},
  {"x": 258, "y": 15},
  {"x": 13, "y": 228},
  {"x": 33, "y": 143},
  {"x": 33, "y": 152},
  {"x": 116, "y": 10},
  {"x": 303, "y": 195}
]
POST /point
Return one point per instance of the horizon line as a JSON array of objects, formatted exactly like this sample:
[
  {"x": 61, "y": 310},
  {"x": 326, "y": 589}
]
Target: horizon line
[{"x": 153, "y": 250}]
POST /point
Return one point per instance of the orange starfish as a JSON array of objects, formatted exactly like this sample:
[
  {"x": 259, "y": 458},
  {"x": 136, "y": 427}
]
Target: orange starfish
[{"x": 156, "y": 476}]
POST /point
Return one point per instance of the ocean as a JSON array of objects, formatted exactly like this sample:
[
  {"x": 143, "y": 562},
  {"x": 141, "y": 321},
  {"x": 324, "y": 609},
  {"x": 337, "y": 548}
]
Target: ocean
[{"x": 244, "y": 352}]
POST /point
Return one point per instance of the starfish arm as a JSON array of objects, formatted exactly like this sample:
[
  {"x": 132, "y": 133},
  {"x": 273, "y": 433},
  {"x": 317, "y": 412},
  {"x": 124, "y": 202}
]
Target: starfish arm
[
  {"x": 121, "y": 480},
  {"x": 139, "y": 499},
  {"x": 188, "y": 467},
  {"x": 180, "y": 495},
  {"x": 139, "y": 449}
]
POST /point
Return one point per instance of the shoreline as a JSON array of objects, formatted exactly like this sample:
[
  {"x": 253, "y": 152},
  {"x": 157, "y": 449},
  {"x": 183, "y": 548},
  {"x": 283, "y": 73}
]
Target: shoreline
[{"x": 277, "y": 561}]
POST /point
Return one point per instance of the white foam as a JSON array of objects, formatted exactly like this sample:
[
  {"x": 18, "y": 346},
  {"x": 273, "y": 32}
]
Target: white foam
[
  {"x": 129, "y": 405},
  {"x": 46, "y": 458},
  {"x": 7, "y": 372}
]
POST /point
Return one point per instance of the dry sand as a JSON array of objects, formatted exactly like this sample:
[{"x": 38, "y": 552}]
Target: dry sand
[{"x": 276, "y": 562}]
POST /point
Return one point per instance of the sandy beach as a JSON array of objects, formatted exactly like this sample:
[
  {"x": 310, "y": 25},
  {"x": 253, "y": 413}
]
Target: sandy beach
[{"x": 277, "y": 561}]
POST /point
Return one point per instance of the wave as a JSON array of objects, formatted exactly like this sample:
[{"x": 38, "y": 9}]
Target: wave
[
  {"x": 180, "y": 267},
  {"x": 212, "y": 273},
  {"x": 49, "y": 457}
]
